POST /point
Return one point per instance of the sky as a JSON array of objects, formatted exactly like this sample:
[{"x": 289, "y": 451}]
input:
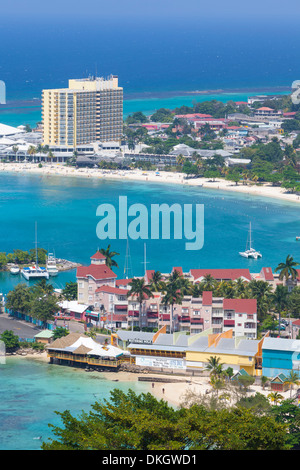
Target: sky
[{"x": 154, "y": 10}]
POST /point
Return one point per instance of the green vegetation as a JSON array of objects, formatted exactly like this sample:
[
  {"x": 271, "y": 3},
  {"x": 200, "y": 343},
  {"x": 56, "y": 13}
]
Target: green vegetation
[
  {"x": 275, "y": 162},
  {"x": 69, "y": 292},
  {"x": 10, "y": 340},
  {"x": 21, "y": 257},
  {"x": 39, "y": 300},
  {"x": 141, "y": 422}
]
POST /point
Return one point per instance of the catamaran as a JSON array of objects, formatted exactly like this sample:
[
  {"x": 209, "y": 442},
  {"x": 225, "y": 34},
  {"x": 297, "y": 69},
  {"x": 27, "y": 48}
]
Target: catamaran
[
  {"x": 36, "y": 271},
  {"x": 250, "y": 252}
]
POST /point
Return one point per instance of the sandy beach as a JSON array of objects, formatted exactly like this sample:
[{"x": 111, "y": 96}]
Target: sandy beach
[
  {"x": 172, "y": 392},
  {"x": 264, "y": 190}
]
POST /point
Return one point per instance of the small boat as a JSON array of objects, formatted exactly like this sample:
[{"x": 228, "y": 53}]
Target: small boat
[
  {"x": 14, "y": 269},
  {"x": 51, "y": 265},
  {"x": 250, "y": 252},
  {"x": 297, "y": 238}
]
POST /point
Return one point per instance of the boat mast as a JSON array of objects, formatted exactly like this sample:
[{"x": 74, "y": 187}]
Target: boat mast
[
  {"x": 250, "y": 245},
  {"x": 36, "y": 253}
]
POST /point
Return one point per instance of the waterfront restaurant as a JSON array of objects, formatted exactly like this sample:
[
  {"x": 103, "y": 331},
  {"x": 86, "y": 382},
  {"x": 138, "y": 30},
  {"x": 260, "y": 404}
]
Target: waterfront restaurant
[
  {"x": 79, "y": 350},
  {"x": 191, "y": 353}
]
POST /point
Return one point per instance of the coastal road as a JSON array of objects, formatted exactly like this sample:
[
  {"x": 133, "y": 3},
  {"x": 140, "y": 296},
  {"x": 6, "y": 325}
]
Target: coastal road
[{"x": 20, "y": 328}]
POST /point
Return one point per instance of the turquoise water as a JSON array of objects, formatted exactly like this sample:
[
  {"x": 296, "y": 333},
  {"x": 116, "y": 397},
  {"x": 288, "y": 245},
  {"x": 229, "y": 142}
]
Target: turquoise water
[
  {"x": 65, "y": 211},
  {"x": 31, "y": 391},
  {"x": 16, "y": 116}
]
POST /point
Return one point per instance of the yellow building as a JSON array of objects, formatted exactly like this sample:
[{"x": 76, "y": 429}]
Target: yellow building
[
  {"x": 191, "y": 352},
  {"x": 89, "y": 110}
]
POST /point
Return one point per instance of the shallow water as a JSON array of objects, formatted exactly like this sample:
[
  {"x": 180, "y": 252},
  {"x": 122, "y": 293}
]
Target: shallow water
[{"x": 32, "y": 390}]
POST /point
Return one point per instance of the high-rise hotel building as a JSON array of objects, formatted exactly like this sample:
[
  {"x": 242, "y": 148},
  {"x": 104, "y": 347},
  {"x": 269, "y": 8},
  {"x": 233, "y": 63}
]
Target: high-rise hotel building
[{"x": 89, "y": 110}]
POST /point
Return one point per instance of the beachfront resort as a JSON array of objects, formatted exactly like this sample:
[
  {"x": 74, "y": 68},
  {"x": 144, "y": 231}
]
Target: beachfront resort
[{"x": 253, "y": 145}]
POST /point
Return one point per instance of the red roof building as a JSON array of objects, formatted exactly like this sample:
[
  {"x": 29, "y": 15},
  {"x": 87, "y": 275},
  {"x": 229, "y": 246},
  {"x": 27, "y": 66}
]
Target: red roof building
[
  {"x": 248, "y": 306},
  {"x": 221, "y": 274}
]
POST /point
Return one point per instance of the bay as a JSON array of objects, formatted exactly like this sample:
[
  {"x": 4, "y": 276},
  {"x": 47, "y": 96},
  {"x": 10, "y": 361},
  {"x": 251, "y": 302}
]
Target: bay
[{"x": 65, "y": 211}]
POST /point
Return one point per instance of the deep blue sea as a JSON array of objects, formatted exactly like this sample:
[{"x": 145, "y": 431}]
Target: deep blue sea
[{"x": 157, "y": 62}]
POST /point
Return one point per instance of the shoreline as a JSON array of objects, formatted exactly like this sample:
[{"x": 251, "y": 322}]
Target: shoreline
[
  {"x": 264, "y": 190},
  {"x": 173, "y": 395}
]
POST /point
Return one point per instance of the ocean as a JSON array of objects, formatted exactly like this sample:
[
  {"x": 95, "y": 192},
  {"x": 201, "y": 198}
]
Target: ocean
[
  {"x": 158, "y": 64},
  {"x": 65, "y": 211}
]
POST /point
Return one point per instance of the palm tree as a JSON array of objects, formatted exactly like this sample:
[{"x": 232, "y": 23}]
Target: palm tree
[
  {"x": 110, "y": 262},
  {"x": 208, "y": 282},
  {"x": 32, "y": 150},
  {"x": 141, "y": 291},
  {"x": 241, "y": 289},
  {"x": 185, "y": 286},
  {"x": 214, "y": 366},
  {"x": 261, "y": 291},
  {"x": 15, "y": 149},
  {"x": 180, "y": 160},
  {"x": 156, "y": 282},
  {"x": 287, "y": 269},
  {"x": 292, "y": 379},
  {"x": 50, "y": 156},
  {"x": 275, "y": 397},
  {"x": 196, "y": 290},
  {"x": 173, "y": 295},
  {"x": 280, "y": 300}
]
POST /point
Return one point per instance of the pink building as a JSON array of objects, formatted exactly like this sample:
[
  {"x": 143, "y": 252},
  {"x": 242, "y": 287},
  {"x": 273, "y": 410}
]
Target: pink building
[{"x": 90, "y": 278}]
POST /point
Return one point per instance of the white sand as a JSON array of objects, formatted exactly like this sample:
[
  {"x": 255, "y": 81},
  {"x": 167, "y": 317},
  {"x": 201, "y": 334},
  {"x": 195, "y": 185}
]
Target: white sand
[
  {"x": 56, "y": 169},
  {"x": 172, "y": 392}
]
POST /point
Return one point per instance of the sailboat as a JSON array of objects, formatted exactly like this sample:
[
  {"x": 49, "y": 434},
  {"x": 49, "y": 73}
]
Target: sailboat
[
  {"x": 250, "y": 252},
  {"x": 35, "y": 272}
]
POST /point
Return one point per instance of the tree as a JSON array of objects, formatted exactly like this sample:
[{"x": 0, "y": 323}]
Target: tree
[
  {"x": 69, "y": 292},
  {"x": 141, "y": 422},
  {"x": 292, "y": 379},
  {"x": 275, "y": 397},
  {"x": 287, "y": 269},
  {"x": 43, "y": 305},
  {"x": 156, "y": 281},
  {"x": 110, "y": 262},
  {"x": 18, "y": 299},
  {"x": 280, "y": 300},
  {"x": 140, "y": 291},
  {"x": 3, "y": 260},
  {"x": 10, "y": 340},
  {"x": 261, "y": 291},
  {"x": 172, "y": 296},
  {"x": 214, "y": 366},
  {"x": 15, "y": 150},
  {"x": 59, "y": 332}
]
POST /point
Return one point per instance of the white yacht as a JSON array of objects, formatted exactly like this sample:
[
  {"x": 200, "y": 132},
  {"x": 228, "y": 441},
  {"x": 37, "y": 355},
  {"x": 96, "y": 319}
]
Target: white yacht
[
  {"x": 51, "y": 265},
  {"x": 14, "y": 269},
  {"x": 250, "y": 252}
]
